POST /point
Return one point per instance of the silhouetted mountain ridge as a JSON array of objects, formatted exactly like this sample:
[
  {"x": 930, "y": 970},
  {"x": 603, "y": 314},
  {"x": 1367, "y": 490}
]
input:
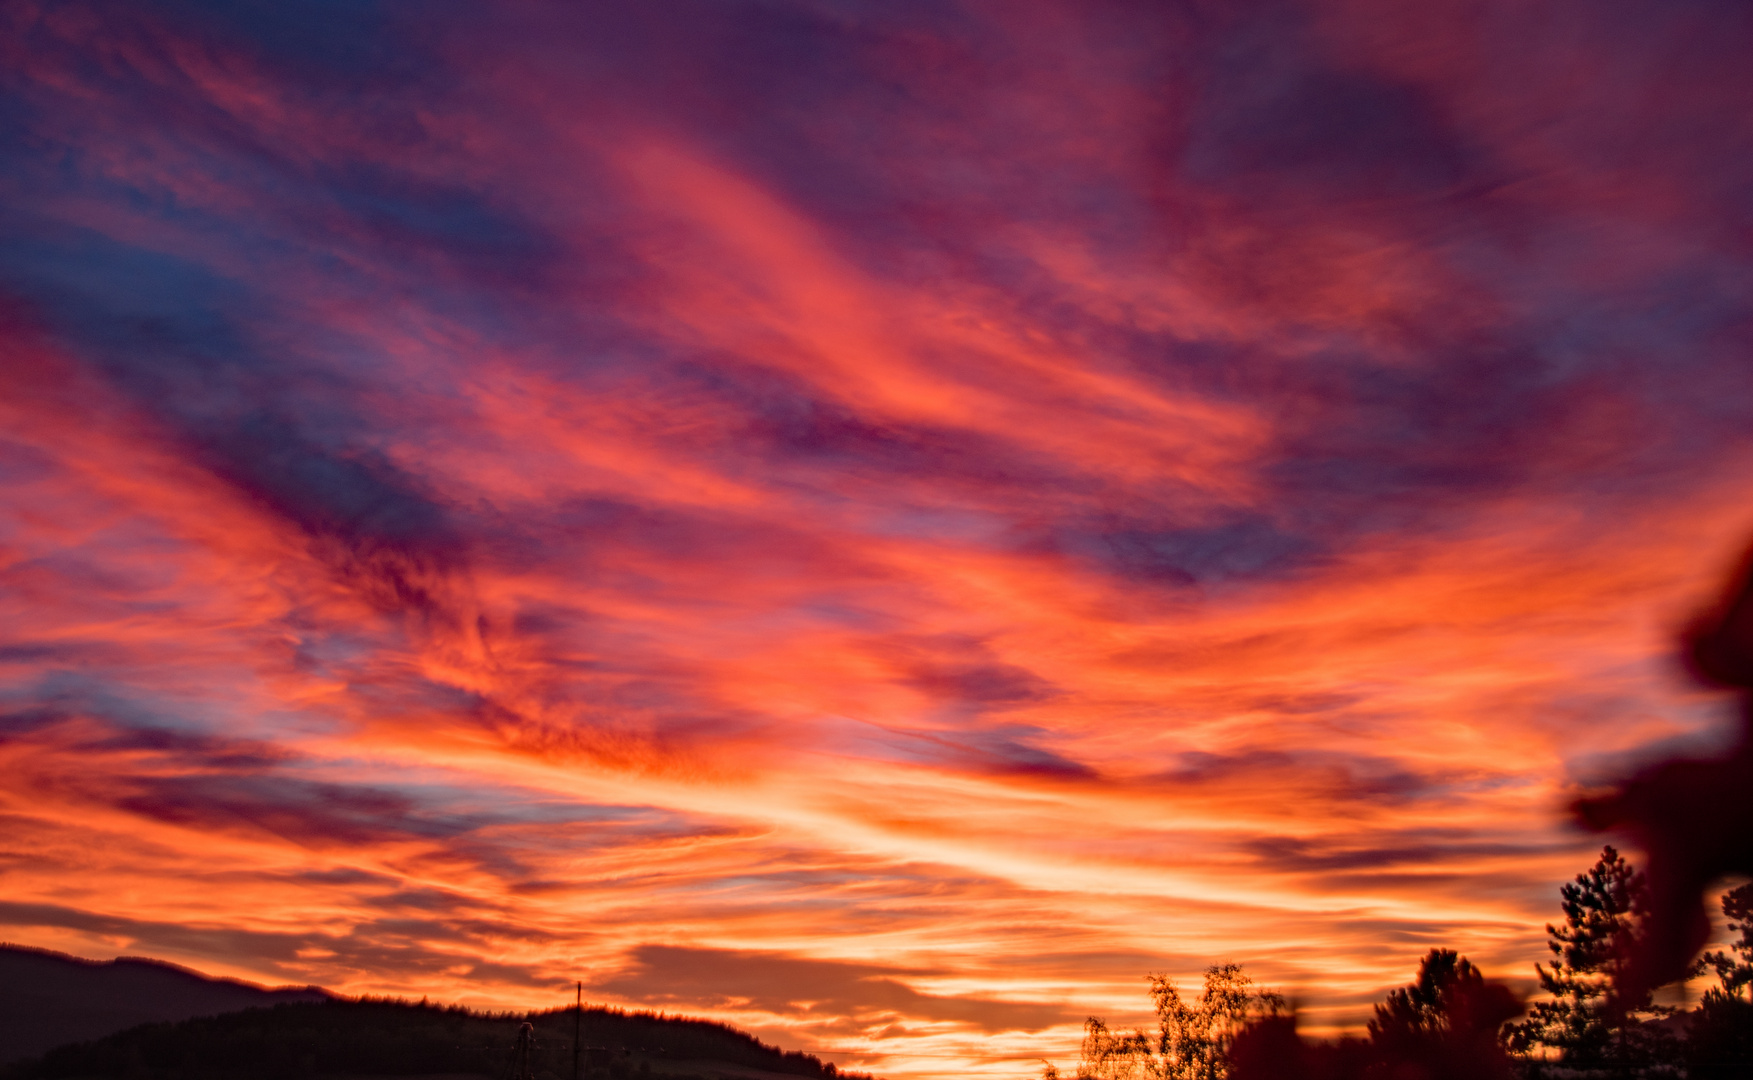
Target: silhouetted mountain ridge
[
  {"x": 377, "y": 1037},
  {"x": 49, "y": 998}
]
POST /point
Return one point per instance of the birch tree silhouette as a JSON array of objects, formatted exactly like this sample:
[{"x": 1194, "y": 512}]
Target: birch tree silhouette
[{"x": 1193, "y": 1039}]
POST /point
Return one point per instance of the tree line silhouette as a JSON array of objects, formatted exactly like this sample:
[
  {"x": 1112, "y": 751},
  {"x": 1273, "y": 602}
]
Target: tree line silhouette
[{"x": 1595, "y": 1018}]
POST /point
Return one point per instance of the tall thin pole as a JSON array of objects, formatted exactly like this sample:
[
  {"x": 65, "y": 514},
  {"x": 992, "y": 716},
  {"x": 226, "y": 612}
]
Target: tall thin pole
[{"x": 577, "y": 1018}]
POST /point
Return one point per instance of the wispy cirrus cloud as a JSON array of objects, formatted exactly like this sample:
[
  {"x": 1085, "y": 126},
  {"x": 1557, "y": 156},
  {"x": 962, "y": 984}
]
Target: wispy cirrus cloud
[{"x": 877, "y": 524}]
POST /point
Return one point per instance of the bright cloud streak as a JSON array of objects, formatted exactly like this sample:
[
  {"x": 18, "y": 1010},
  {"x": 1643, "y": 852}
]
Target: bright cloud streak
[{"x": 880, "y": 524}]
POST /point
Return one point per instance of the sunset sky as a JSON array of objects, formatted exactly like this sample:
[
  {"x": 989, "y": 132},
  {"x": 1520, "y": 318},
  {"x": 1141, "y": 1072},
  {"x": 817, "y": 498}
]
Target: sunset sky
[{"x": 877, "y": 522}]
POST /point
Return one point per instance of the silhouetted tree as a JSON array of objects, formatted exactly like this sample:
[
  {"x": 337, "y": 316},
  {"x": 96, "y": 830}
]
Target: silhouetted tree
[
  {"x": 1112, "y": 1055},
  {"x": 1719, "y": 1033},
  {"x": 1589, "y": 1024},
  {"x": 1734, "y": 972},
  {"x": 1446, "y": 1023},
  {"x": 1443, "y": 1027},
  {"x": 1193, "y": 1038},
  {"x": 1424, "y": 1010}
]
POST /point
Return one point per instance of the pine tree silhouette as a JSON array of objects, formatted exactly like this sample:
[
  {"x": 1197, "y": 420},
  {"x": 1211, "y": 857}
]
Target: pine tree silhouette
[
  {"x": 1586, "y": 1021},
  {"x": 1719, "y": 1033}
]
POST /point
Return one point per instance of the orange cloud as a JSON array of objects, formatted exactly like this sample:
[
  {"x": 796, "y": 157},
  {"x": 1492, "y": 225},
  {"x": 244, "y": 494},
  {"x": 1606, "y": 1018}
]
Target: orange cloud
[{"x": 882, "y": 542}]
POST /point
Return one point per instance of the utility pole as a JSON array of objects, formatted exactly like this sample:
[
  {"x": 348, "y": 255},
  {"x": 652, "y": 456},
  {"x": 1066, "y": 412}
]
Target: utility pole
[
  {"x": 577, "y": 1018},
  {"x": 520, "y": 1057}
]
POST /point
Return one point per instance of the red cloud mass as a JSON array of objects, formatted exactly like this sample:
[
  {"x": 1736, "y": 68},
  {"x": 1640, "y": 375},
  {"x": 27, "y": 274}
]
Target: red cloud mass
[{"x": 878, "y": 523}]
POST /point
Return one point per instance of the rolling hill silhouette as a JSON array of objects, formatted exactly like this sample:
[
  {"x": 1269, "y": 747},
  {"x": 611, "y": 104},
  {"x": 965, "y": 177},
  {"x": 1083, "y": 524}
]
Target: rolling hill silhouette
[
  {"x": 381, "y": 1038},
  {"x": 59, "y": 1019},
  {"x": 49, "y": 998}
]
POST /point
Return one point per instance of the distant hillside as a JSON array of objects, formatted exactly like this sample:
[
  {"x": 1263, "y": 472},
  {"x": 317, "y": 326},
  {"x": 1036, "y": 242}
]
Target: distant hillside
[
  {"x": 377, "y": 1038},
  {"x": 49, "y": 998}
]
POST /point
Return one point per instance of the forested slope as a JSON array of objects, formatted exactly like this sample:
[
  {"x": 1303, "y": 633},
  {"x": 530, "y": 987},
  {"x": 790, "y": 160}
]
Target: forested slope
[{"x": 396, "y": 1038}]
